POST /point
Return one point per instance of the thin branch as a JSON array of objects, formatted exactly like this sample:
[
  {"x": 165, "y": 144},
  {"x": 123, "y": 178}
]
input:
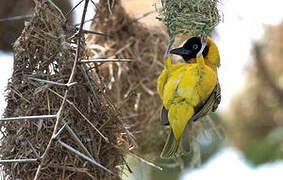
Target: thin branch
[
  {"x": 89, "y": 20},
  {"x": 109, "y": 7},
  {"x": 76, "y": 138},
  {"x": 93, "y": 3},
  {"x": 96, "y": 33},
  {"x": 58, "y": 9},
  {"x": 18, "y": 161},
  {"x": 68, "y": 13},
  {"x": 28, "y": 118},
  {"x": 146, "y": 161},
  {"x": 19, "y": 94},
  {"x": 59, "y": 113},
  {"x": 60, "y": 131},
  {"x": 53, "y": 82},
  {"x": 87, "y": 78},
  {"x": 105, "y": 60},
  {"x": 143, "y": 15},
  {"x": 96, "y": 8},
  {"x": 16, "y": 18},
  {"x": 77, "y": 56},
  {"x": 34, "y": 151},
  {"x": 85, "y": 157}
]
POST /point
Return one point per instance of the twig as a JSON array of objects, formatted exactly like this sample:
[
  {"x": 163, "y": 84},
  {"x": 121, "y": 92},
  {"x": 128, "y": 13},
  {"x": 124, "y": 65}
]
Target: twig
[
  {"x": 96, "y": 33},
  {"x": 60, "y": 131},
  {"x": 105, "y": 60},
  {"x": 146, "y": 89},
  {"x": 68, "y": 13},
  {"x": 18, "y": 161},
  {"x": 58, "y": 9},
  {"x": 93, "y": 3},
  {"x": 143, "y": 15},
  {"x": 28, "y": 118},
  {"x": 95, "y": 16},
  {"x": 89, "y": 20},
  {"x": 86, "y": 76},
  {"x": 19, "y": 94},
  {"x": 146, "y": 161},
  {"x": 76, "y": 138},
  {"x": 34, "y": 151},
  {"x": 16, "y": 18},
  {"x": 85, "y": 157},
  {"x": 96, "y": 8},
  {"x": 109, "y": 7},
  {"x": 53, "y": 82},
  {"x": 128, "y": 167},
  {"x": 59, "y": 113}
]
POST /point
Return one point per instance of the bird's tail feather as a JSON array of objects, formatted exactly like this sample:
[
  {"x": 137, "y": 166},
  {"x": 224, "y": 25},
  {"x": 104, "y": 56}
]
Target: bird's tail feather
[{"x": 170, "y": 147}]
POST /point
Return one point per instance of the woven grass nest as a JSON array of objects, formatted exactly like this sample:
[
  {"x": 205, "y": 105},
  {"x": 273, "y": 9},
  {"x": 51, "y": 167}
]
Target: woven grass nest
[
  {"x": 46, "y": 50},
  {"x": 190, "y": 17}
]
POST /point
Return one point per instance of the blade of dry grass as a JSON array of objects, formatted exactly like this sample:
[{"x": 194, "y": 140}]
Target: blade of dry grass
[
  {"x": 28, "y": 118},
  {"x": 18, "y": 161},
  {"x": 85, "y": 157}
]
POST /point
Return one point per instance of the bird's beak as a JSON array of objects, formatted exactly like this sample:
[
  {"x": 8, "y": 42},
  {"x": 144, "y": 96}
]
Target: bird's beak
[{"x": 181, "y": 51}]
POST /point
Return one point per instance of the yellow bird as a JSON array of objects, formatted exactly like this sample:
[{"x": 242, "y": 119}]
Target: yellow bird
[{"x": 188, "y": 90}]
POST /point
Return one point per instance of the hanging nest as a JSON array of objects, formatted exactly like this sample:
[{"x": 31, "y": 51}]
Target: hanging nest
[
  {"x": 190, "y": 17},
  {"x": 10, "y": 30},
  {"x": 46, "y": 50},
  {"x": 131, "y": 86}
]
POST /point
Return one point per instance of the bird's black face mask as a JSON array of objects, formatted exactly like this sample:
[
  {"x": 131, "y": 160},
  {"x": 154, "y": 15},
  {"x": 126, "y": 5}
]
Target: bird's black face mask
[{"x": 190, "y": 49}]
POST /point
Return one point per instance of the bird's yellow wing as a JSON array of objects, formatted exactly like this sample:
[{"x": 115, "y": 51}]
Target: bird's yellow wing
[{"x": 163, "y": 78}]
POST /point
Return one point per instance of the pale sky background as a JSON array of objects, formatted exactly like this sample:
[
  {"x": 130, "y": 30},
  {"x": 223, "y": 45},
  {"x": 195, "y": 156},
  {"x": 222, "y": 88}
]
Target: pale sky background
[{"x": 243, "y": 23}]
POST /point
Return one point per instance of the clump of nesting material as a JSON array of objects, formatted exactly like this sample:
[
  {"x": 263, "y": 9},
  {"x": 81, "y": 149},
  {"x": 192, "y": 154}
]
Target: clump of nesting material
[{"x": 190, "y": 17}]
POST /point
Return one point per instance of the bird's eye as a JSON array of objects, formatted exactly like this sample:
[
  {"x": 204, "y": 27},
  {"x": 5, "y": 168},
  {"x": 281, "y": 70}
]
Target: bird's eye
[{"x": 195, "y": 46}]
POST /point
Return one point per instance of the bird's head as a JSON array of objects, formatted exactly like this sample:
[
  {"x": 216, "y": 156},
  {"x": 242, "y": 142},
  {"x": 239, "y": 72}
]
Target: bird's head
[{"x": 192, "y": 47}]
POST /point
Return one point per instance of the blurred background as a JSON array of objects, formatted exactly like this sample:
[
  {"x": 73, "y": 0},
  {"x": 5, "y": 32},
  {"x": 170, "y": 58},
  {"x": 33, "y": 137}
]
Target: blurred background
[{"x": 250, "y": 41}]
